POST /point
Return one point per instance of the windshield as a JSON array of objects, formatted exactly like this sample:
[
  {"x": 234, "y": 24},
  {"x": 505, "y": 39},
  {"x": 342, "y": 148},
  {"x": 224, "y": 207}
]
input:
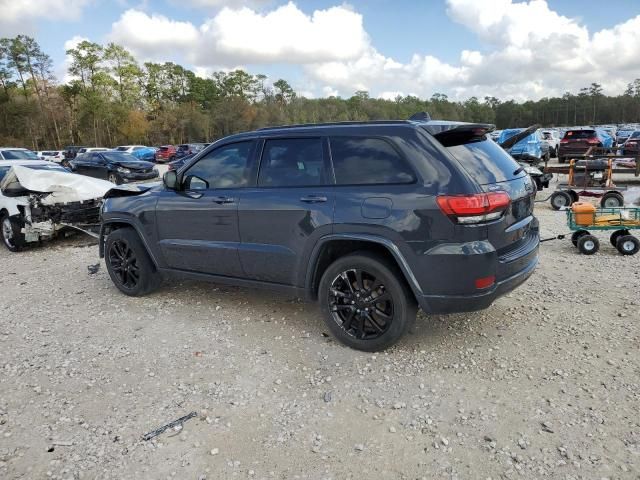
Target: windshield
[
  {"x": 119, "y": 157},
  {"x": 19, "y": 155},
  {"x": 487, "y": 162}
]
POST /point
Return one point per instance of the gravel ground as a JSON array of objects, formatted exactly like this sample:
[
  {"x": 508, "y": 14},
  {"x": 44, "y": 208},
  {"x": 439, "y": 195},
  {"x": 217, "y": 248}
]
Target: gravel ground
[{"x": 544, "y": 384}]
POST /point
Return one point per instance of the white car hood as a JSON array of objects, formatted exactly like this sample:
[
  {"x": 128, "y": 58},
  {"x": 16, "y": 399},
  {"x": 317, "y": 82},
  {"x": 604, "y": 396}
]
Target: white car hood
[{"x": 62, "y": 186}]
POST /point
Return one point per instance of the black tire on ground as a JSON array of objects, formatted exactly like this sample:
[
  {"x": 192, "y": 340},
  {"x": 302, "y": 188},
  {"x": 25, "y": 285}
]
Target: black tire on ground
[
  {"x": 628, "y": 245},
  {"x": 612, "y": 200},
  {"x": 616, "y": 235},
  {"x": 574, "y": 196},
  {"x": 344, "y": 295},
  {"x": 10, "y": 232},
  {"x": 129, "y": 264},
  {"x": 577, "y": 235},
  {"x": 560, "y": 199},
  {"x": 554, "y": 152},
  {"x": 588, "y": 245}
]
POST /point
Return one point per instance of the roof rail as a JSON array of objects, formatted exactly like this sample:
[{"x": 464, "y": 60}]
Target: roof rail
[{"x": 331, "y": 124}]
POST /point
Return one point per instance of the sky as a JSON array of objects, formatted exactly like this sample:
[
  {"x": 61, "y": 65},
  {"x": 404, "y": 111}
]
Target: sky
[{"x": 505, "y": 48}]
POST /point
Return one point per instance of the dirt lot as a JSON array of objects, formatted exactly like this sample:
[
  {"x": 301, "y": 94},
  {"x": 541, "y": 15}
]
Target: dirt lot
[{"x": 543, "y": 384}]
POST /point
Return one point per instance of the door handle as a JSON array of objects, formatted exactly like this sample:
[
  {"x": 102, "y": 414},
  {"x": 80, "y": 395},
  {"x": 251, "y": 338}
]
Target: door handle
[
  {"x": 314, "y": 199},
  {"x": 223, "y": 200}
]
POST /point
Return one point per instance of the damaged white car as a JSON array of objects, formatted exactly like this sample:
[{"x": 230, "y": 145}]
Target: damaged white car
[{"x": 39, "y": 199}]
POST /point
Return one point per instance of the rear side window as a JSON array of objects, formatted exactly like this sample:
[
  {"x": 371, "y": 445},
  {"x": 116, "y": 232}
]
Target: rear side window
[
  {"x": 635, "y": 135},
  {"x": 292, "y": 162},
  {"x": 368, "y": 161},
  {"x": 486, "y": 162}
]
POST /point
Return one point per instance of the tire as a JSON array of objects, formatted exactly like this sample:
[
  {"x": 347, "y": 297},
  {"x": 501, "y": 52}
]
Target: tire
[
  {"x": 588, "y": 244},
  {"x": 172, "y": 158},
  {"x": 577, "y": 235},
  {"x": 554, "y": 152},
  {"x": 560, "y": 199},
  {"x": 628, "y": 245},
  {"x": 344, "y": 295},
  {"x": 616, "y": 235},
  {"x": 10, "y": 231},
  {"x": 612, "y": 200},
  {"x": 124, "y": 249},
  {"x": 114, "y": 178},
  {"x": 574, "y": 196}
]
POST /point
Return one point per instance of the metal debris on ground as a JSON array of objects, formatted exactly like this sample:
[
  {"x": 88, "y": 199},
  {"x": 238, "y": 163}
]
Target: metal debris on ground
[
  {"x": 93, "y": 268},
  {"x": 164, "y": 428}
]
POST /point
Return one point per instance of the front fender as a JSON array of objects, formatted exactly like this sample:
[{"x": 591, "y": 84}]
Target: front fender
[{"x": 123, "y": 222}]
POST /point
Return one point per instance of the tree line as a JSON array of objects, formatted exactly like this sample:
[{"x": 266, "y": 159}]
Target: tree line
[{"x": 112, "y": 99}]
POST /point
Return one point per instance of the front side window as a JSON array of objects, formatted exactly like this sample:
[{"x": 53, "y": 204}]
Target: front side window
[
  {"x": 292, "y": 162},
  {"x": 368, "y": 161},
  {"x": 224, "y": 167}
]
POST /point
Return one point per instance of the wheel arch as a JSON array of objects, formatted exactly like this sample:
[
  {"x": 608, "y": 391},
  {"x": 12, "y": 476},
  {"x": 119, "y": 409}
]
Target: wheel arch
[
  {"x": 331, "y": 247},
  {"x": 116, "y": 224}
]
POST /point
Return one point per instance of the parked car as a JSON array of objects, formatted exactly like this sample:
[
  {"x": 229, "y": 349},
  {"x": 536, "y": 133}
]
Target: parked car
[
  {"x": 141, "y": 152},
  {"x": 552, "y": 139},
  {"x": 38, "y": 199},
  {"x": 166, "y": 153},
  {"x": 190, "y": 149},
  {"x": 14, "y": 153},
  {"x": 622, "y": 136},
  {"x": 71, "y": 151},
  {"x": 632, "y": 145},
  {"x": 51, "y": 155},
  {"x": 117, "y": 167},
  {"x": 92, "y": 149},
  {"x": 577, "y": 142},
  {"x": 531, "y": 149},
  {"x": 370, "y": 219}
]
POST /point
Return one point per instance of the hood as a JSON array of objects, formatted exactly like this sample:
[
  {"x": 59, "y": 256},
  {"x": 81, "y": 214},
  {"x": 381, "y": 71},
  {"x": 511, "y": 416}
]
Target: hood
[
  {"x": 135, "y": 164},
  {"x": 61, "y": 186},
  {"x": 131, "y": 190}
]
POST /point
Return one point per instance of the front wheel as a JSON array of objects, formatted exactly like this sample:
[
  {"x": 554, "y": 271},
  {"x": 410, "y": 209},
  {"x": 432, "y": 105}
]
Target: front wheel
[
  {"x": 588, "y": 244},
  {"x": 612, "y": 200},
  {"x": 11, "y": 231},
  {"x": 628, "y": 245},
  {"x": 113, "y": 178},
  {"x": 560, "y": 199},
  {"x": 128, "y": 263},
  {"x": 365, "y": 302}
]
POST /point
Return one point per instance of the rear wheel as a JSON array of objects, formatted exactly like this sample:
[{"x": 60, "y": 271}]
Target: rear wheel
[
  {"x": 577, "y": 235},
  {"x": 560, "y": 199},
  {"x": 11, "y": 232},
  {"x": 365, "y": 302},
  {"x": 612, "y": 200},
  {"x": 588, "y": 244},
  {"x": 628, "y": 245},
  {"x": 616, "y": 235},
  {"x": 128, "y": 263},
  {"x": 574, "y": 196}
]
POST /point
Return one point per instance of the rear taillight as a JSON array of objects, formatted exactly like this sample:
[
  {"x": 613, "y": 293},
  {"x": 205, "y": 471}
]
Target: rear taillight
[
  {"x": 468, "y": 209},
  {"x": 593, "y": 141},
  {"x": 564, "y": 140}
]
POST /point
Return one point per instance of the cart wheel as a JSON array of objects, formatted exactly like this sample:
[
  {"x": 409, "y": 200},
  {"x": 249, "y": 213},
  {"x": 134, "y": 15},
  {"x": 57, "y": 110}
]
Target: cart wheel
[
  {"x": 577, "y": 235},
  {"x": 616, "y": 235},
  {"x": 560, "y": 199},
  {"x": 612, "y": 200},
  {"x": 588, "y": 244},
  {"x": 628, "y": 245},
  {"x": 574, "y": 196}
]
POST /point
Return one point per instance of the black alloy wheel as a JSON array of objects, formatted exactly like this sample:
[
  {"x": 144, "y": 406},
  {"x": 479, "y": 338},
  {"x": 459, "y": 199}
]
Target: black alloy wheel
[
  {"x": 124, "y": 264},
  {"x": 360, "y": 304}
]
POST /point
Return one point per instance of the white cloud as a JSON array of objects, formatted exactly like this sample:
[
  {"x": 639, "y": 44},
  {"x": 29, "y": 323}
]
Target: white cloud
[
  {"x": 68, "y": 45},
  {"x": 18, "y": 16},
  {"x": 212, "y": 4}
]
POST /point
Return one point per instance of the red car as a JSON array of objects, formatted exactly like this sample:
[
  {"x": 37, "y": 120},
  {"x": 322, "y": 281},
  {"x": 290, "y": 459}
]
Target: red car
[
  {"x": 166, "y": 153},
  {"x": 632, "y": 145}
]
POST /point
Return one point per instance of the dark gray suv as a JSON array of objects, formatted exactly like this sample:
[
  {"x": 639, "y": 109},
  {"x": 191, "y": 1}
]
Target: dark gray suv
[{"x": 370, "y": 219}]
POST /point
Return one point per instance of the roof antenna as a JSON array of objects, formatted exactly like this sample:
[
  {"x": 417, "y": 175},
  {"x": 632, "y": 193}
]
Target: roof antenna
[{"x": 420, "y": 117}]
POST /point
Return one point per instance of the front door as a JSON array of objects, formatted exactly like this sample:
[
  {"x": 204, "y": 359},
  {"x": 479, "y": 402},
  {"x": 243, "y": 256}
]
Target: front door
[
  {"x": 198, "y": 225},
  {"x": 287, "y": 212}
]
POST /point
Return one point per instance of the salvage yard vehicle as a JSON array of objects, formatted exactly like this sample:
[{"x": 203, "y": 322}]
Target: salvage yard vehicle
[
  {"x": 531, "y": 149},
  {"x": 38, "y": 199},
  {"x": 165, "y": 153},
  {"x": 631, "y": 146},
  {"x": 12, "y": 153},
  {"x": 371, "y": 219},
  {"x": 551, "y": 138},
  {"x": 531, "y": 164},
  {"x": 51, "y": 155},
  {"x": 117, "y": 167},
  {"x": 141, "y": 152},
  {"x": 577, "y": 142}
]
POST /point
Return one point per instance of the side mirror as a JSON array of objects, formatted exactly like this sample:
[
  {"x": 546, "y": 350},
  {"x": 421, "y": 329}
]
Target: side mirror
[{"x": 170, "y": 180}]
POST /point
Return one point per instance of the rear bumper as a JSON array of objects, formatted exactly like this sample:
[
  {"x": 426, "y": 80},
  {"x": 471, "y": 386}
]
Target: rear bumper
[{"x": 480, "y": 301}]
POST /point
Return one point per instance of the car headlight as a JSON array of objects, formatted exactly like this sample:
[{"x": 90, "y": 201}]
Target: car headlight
[{"x": 123, "y": 170}]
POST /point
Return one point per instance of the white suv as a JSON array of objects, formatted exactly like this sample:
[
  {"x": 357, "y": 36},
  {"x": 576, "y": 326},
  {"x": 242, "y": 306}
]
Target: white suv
[{"x": 551, "y": 137}]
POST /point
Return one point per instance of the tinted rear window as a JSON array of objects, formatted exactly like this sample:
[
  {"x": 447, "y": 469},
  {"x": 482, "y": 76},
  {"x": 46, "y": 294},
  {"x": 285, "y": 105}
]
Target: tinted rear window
[
  {"x": 292, "y": 162},
  {"x": 368, "y": 161},
  {"x": 580, "y": 134},
  {"x": 486, "y": 162}
]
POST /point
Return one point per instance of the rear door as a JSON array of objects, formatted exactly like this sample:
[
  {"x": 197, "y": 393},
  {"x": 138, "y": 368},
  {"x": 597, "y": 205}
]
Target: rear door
[{"x": 290, "y": 208}]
